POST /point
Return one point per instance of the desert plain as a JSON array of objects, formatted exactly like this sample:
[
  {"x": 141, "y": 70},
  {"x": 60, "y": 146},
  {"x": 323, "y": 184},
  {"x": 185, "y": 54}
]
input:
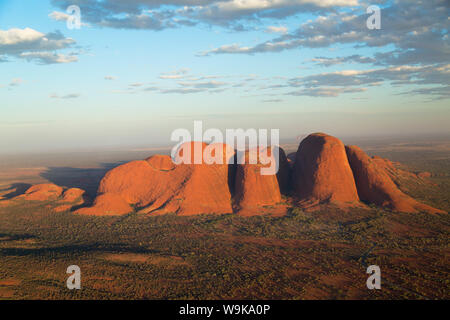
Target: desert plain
[{"x": 301, "y": 254}]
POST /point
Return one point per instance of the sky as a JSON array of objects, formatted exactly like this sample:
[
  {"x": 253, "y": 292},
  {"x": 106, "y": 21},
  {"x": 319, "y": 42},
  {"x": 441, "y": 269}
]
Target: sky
[{"x": 137, "y": 70}]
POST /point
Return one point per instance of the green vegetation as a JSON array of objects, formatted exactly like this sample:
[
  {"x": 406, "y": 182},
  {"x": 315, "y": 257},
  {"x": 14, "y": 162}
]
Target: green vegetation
[{"x": 302, "y": 255}]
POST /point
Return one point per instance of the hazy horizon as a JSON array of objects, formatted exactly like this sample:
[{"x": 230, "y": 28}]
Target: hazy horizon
[{"x": 361, "y": 140}]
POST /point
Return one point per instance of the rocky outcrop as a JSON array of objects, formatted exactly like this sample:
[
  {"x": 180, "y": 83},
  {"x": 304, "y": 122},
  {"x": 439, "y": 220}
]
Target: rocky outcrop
[
  {"x": 322, "y": 173},
  {"x": 71, "y": 198},
  {"x": 65, "y": 198},
  {"x": 375, "y": 185},
  {"x": 74, "y": 195},
  {"x": 42, "y": 192},
  {"x": 158, "y": 185},
  {"x": 210, "y": 179},
  {"x": 253, "y": 190}
]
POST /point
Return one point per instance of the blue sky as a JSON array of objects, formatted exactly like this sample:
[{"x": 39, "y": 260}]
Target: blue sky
[{"x": 137, "y": 70}]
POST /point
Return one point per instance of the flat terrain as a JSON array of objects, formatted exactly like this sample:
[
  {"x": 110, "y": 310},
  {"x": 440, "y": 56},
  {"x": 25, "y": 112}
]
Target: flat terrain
[{"x": 304, "y": 255}]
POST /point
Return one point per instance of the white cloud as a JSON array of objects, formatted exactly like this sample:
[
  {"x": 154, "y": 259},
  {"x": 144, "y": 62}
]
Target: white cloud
[
  {"x": 62, "y": 16},
  {"x": 332, "y": 84},
  {"x": 177, "y": 74},
  {"x": 33, "y": 45},
  {"x": 67, "y": 96},
  {"x": 325, "y": 91},
  {"x": 162, "y": 14},
  {"x": 325, "y": 61},
  {"x": 16, "y": 36},
  {"x": 136, "y": 84},
  {"x": 412, "y": 48},
  {"x": 48, "y": 57},
  {"x": 275, "y": 29},
  {"x": 59, "y": 16},
  {"x": 231, "y": 48},
  {"x": 239, "y": 5},
  {"x": 417, "y": 32},
  {"x": 203, "y": 85}
]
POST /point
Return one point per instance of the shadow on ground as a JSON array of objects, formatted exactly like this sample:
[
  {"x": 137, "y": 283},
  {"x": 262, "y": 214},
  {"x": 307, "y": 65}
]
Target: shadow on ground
[
  {"x": 17, "y": 190},
  {"x": 75, "y": 249},
  {"x": 87, "y": 179}
]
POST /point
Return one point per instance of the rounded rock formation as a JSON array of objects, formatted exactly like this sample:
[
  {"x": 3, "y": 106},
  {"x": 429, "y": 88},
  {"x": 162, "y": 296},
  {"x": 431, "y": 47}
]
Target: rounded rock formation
[
  {"x": 375, "y": 185},
  {"x": 322, "y": 173},
  {"x": 74, "y": 195},
  {"x": 160, "y": 162},
  {"x": 253, "y": 189},
  {"x": 42, "y": 192},
  {"x": 157, "y": 185}
]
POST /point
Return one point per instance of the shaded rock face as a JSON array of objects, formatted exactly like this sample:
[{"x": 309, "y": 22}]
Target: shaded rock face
[
  {"x": 157, "y": 185},
  {"x": 71, "y": 198},
  {"x": 284, "y": 172},
  {"x": 252, "y": 189},
  {"x": 322, "y": 173},
  {"x": 375, "y": 185}
]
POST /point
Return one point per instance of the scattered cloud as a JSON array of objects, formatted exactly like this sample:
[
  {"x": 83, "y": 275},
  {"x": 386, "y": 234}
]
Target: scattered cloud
[
  {"x": 182, "y": 81},
  {"x": 177, "y": 74},
  {"x": 59, "y": 16},
  {"x": 275, "y": 29},
  {"x": 436, "y": 93},
  {"x": 62, "y": 16},
  {"x": 48, "y": 57},
  {"x": 332, "y": 84},
  {"x": 412, "y": 48},
  {"x": 325, "y": 91},
  {"x": 110, "y": 78},
  {"x": 163, "y": 14},
  {"x": 33, "y": 45},
  {"x": 417, "y": 30},
  {"x": 181, "y": 90},
  {"x": 229, "y": 48},
  {"x": 203, "y": 85},
  {"x": 67, "y": 96},
  {"x": 136, "y": 84},
  {"x": 356, "y": 58},
  {"x": 273, "y": 100}
]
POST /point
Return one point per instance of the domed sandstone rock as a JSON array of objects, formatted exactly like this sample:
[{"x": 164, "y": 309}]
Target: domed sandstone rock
[
  {"x": 158, "y": 185},
  {"x": 42, "y": 192},
  {"x": 322, "y": 173},
  {"x": 254, "y": 190},
  {"x": 375, "y": 186}
]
